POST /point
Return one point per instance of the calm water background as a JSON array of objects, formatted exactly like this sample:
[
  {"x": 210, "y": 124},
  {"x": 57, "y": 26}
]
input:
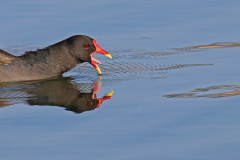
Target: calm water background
[{"x": 183, "y": 104}]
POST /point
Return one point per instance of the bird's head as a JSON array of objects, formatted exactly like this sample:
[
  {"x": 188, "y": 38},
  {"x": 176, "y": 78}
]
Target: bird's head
[{"x": 84, "y": 48}]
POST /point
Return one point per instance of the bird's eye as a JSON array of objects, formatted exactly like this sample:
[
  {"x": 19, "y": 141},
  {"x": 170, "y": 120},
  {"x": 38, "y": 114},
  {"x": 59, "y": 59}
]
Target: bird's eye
[
  {"x": 86, "y": 45},
  {"x": 89, "y": 103}
]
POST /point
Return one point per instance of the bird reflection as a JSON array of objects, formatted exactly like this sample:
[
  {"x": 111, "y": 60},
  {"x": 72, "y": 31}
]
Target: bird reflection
[{"x": 62, "y": 92}]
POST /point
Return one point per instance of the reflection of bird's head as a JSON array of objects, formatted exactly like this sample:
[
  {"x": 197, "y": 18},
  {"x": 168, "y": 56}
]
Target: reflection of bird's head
[{"x": 85, "y": 102}]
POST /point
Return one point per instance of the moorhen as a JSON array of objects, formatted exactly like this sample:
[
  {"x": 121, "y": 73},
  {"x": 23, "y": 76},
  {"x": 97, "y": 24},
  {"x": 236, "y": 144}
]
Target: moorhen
[{"x": 51, "y": 61}]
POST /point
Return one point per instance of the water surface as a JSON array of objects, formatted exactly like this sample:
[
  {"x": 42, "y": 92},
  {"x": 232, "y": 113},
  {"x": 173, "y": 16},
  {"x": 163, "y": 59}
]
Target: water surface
[{"x": 171, "y": 90}]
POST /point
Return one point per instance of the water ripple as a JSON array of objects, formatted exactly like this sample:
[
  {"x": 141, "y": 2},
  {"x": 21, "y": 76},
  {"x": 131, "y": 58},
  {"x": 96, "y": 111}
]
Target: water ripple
[
  {"x": 219, "y": 91},
  {"x": 129, "y": 70}
]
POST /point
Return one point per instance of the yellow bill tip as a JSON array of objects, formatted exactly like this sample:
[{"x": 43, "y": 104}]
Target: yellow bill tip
[
  {"x": 98, "y": 69},
  {"x": 110, "y": 94},
  {"x": 108, "y": 55}
]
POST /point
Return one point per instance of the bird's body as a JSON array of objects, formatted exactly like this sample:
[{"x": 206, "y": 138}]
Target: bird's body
[{"x": 50, "y": 61}]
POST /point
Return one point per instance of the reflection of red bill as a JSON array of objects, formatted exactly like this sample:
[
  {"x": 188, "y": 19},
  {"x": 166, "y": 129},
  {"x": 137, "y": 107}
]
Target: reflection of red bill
[
  {"x": 96, "y": 86},
  {"x": 107, "y": 96},
  {"x": 100, "y": 51}
]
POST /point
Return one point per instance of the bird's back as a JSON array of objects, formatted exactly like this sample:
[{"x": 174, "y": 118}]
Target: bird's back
[{"x": 5, "y": 57}]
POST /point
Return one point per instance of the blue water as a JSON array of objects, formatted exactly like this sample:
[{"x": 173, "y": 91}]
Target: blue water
[{"x": 174, "y": 77}]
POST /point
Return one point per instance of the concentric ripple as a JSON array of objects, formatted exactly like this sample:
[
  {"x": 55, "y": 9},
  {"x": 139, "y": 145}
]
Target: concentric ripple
[{"x": 129, "y": 70}]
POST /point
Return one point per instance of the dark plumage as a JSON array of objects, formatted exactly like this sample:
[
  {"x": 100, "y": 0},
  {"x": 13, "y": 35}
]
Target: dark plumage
[{"x": 50, "y": 61}]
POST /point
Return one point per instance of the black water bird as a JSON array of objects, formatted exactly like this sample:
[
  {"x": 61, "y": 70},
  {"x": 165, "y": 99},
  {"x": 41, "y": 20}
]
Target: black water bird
[{"x": 51, "y": 61}]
